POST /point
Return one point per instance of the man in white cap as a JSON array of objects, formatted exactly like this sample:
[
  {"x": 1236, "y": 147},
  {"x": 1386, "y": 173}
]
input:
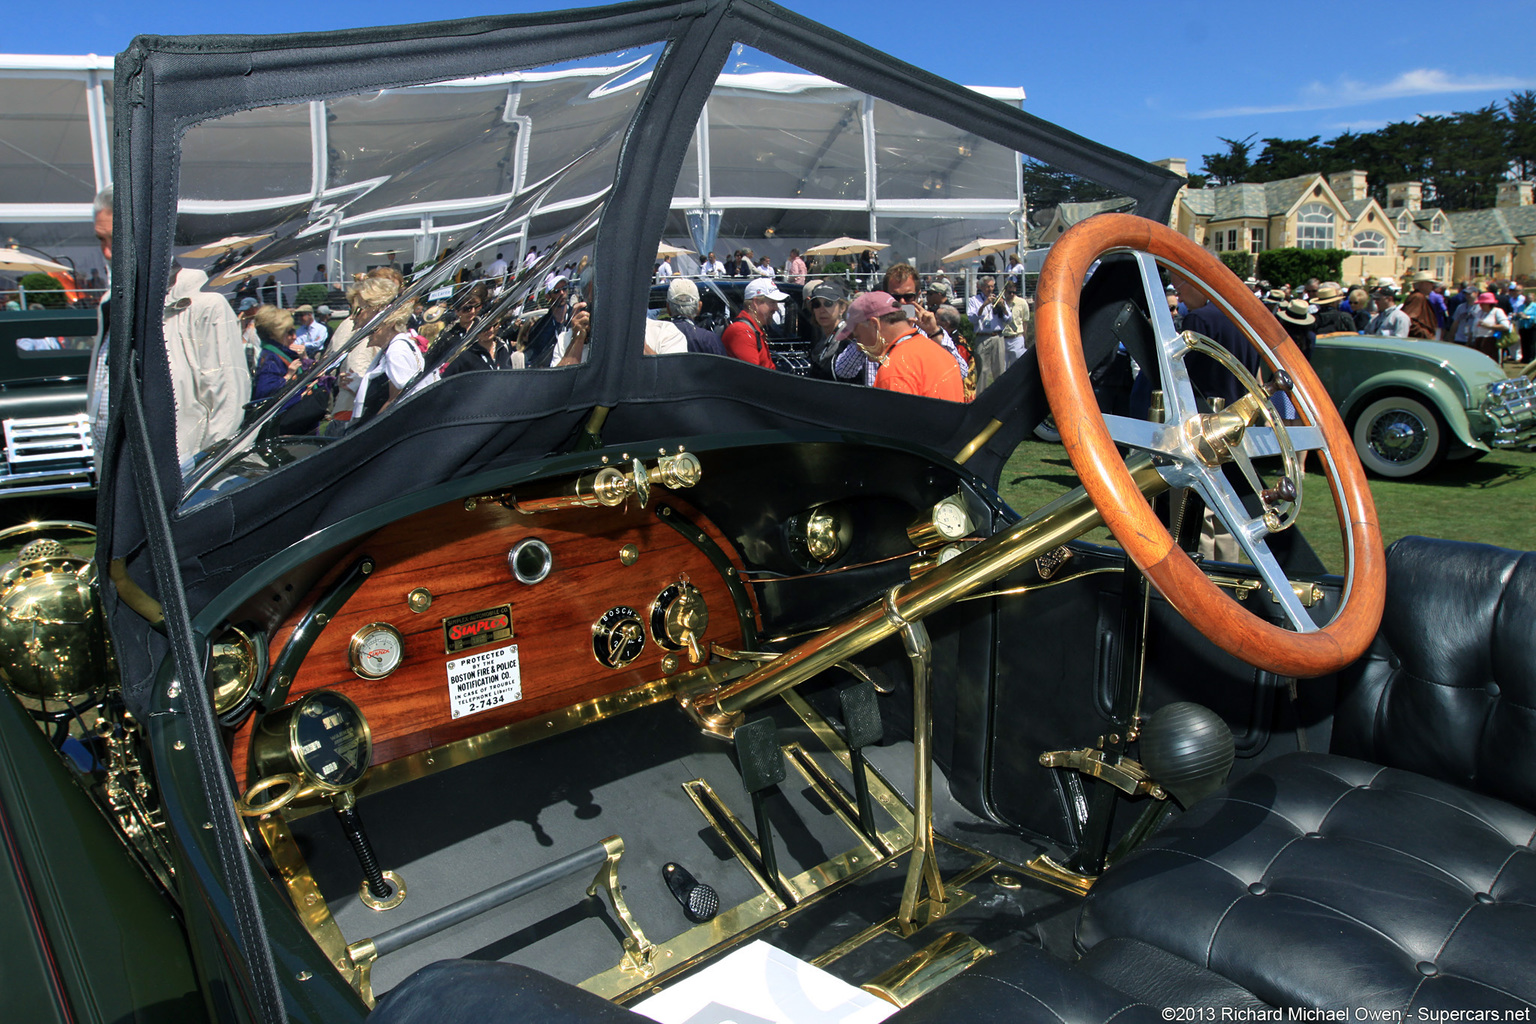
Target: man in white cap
[
  {"x": 683, "y": 304},
  {"x": 744, "y": 337}
]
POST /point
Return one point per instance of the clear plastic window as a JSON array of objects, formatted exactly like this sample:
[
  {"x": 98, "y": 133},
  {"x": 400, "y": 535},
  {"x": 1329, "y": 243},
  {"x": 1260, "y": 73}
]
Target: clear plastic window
[{"x": 483, "y": 195}]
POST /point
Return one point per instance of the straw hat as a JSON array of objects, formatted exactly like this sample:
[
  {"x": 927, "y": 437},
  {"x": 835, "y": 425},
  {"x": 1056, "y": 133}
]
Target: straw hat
[{"x": 1297, "y": 312}]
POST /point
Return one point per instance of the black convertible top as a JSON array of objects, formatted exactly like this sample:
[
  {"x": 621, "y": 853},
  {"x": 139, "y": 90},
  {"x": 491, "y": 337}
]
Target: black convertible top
[{"x": 474, "y": 422}]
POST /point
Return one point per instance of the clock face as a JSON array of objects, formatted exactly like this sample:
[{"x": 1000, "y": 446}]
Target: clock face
[
  {"x": 950, "y": 518},
  {"x": 376, "y": 650}
]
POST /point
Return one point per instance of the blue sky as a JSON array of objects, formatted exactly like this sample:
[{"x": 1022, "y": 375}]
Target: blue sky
[{"x": 1154, "y": 79}]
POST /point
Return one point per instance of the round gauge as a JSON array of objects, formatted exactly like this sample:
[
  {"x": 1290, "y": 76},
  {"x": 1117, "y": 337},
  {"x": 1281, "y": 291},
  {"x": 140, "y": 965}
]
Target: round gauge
[
  {"x": 950, "y": 519},
  {"x": 330, "y": 739},
  {"x": 678, "y": 615},
  {"x": 376, "y": 650},
  {"x": 618, "y": 636},
  {"x": 946, "y": 521},
  {"x": 322, "y": 737}
]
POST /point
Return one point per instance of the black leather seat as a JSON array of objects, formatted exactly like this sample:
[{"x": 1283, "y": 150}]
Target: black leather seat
[{"x": 1397, "y": 872}]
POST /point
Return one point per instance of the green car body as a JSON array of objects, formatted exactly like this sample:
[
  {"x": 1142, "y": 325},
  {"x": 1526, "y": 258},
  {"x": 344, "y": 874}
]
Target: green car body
[{"x": 1410, "y": 404}]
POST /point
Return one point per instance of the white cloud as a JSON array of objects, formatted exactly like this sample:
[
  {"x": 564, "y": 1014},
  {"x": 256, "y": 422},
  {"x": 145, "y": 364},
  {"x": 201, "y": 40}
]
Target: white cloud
[{"x": 1347, "y": 92}]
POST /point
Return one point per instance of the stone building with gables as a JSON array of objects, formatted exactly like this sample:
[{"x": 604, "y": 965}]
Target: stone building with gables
[
  {"x": 1336, "y": 212},
  {"x": 1467, "y": 245}
]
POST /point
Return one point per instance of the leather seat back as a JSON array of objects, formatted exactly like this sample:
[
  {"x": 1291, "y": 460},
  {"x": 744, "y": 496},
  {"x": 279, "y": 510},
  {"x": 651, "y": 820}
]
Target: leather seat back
[{"x": 1447, "y": 688}]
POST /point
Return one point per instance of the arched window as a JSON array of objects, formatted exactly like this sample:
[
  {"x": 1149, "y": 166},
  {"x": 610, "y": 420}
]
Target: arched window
[
  {"x": 1314, "y": 226},
  {"x": 1370, "y": 243}
]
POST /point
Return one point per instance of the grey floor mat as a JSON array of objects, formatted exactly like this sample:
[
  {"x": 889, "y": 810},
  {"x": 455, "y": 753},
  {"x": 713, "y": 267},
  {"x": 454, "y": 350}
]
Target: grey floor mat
[
  {"x": 468, "y": 828},
  {"x": 461, "y": 831}
]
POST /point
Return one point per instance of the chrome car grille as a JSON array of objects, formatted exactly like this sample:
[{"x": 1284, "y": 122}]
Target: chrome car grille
[
  {"x": 48, "y": 453},
  {"x": 1511, "y": 405}
]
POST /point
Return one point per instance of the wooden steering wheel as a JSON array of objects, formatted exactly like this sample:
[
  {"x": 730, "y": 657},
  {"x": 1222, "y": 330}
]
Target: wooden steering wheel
[{"x": 1190, "y": 447}]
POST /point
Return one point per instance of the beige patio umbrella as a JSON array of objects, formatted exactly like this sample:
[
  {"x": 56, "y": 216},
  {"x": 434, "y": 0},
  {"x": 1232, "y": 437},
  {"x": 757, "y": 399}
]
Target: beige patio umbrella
[
  {"x": 981, "y": 247},
  {"x": 225, "y": 244},
  {"x": 845, "y": 246},
  {"x": 241, "y": 273},
  {"x": 666, "y": 252},
  {"x": 15, "y": 259}
]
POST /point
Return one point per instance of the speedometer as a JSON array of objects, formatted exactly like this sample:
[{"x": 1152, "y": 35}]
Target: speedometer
[{"x": 323, "y": 738}]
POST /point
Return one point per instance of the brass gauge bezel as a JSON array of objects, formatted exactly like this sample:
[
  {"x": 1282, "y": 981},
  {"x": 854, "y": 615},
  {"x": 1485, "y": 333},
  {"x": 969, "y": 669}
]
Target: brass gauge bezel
[
  {"x": 355, "y": 650},
  {"x": 275, "y": 748},
  {"x": 232, "y": 692},
  {"x": 946, "y": 522}
]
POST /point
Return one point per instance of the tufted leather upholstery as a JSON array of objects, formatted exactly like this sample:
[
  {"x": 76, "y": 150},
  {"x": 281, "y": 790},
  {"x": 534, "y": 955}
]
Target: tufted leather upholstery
[
  {"x": 1449, "y": 687},
  {"x": 1323, "y": 881},
  {"x": 1022, "y": 986},
  {"x": 1402, "y": 877}
]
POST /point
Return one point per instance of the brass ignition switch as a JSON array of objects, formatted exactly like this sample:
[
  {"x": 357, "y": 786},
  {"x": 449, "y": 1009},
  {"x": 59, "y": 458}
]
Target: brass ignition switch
[{"x": 679, "y": 618}]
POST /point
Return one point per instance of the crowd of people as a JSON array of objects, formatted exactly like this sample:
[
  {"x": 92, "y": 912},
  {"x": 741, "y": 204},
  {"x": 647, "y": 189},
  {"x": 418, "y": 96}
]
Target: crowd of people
[{"x": 1492, "y": 316}]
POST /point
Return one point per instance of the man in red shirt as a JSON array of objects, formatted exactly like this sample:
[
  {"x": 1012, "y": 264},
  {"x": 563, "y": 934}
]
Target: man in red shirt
[
  {"x": 908, "y": 360},
  {"x": 744, "y": 337}
]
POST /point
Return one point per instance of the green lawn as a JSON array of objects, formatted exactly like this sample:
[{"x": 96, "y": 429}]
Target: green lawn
[{"x": 1492, "y": 500}]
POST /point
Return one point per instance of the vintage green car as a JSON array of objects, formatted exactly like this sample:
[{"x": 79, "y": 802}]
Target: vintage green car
[
  {"x": 1412, "y": 404},
  {"x": 629, "y": 683}
]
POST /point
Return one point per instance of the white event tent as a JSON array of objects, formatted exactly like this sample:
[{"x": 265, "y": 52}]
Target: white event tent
[{"x": 779, "y": 159}]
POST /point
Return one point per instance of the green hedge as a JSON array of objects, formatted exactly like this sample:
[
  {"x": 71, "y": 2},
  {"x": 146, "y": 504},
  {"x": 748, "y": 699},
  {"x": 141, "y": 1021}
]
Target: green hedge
[
  {"x": 1239, "y": 262},
  {"x": 1295, "y": 266},
  {"x": 312, "y": 294},
  {"x": 43, "y": 291}
]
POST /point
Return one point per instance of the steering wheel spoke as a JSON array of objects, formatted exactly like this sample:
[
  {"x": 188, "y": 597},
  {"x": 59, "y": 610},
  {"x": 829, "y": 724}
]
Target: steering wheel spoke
[
  {"x": 1191, "y": 447},
  {"x": 1251, "y": 533},
  {"x": 1179, "y": 401},
  {"x": 1159, "y": 438}
]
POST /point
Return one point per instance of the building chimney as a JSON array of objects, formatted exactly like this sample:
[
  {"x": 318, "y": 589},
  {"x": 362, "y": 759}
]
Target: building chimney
[
  {"x": 1177, "y": 164},
  {"x": 1514, "y": 193},
  {"x": 1348, "y": 185},
  {"x": 1406, "y": 193}
]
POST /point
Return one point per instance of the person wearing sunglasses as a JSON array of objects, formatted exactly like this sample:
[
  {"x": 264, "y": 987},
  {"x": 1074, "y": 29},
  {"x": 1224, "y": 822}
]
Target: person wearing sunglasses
[{"x": 827, "y": 301}]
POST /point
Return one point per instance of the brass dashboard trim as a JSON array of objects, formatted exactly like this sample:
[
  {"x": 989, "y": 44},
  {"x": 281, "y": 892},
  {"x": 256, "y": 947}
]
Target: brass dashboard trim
[
  {"x": 304, "y": 892},
  {"x": 515, "y": 734}
]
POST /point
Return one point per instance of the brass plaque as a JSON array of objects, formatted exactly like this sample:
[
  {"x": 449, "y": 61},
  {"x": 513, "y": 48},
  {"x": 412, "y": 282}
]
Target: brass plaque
[{"x": 461, "y": 632}]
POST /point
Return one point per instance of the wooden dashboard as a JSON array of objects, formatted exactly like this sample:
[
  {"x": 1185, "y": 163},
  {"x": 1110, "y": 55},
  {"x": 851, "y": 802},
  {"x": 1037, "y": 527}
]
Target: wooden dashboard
[{"x": 602, "y": 559}]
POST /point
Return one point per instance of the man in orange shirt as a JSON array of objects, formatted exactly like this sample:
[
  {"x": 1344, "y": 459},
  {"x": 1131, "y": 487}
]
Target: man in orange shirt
[{"x": 908, "y": 360}]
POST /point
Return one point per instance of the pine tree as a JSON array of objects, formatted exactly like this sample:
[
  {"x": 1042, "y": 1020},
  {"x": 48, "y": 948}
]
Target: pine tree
[{"x": 1230, "y": 167}]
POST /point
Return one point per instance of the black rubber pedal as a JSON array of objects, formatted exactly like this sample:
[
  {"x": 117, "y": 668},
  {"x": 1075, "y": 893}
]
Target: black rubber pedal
[
  {"x": 861, "y": 715},
  {"x": 758, "y": 755},
  {"x": 700, "y": 902}
]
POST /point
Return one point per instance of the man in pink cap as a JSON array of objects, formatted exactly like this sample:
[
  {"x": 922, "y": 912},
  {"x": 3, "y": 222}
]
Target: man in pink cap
[{"x": 908, "y": 360}]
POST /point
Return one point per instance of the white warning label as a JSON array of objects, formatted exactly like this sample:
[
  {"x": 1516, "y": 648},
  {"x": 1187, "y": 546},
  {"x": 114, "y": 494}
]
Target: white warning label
[{"x": 485, "y": 680}]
